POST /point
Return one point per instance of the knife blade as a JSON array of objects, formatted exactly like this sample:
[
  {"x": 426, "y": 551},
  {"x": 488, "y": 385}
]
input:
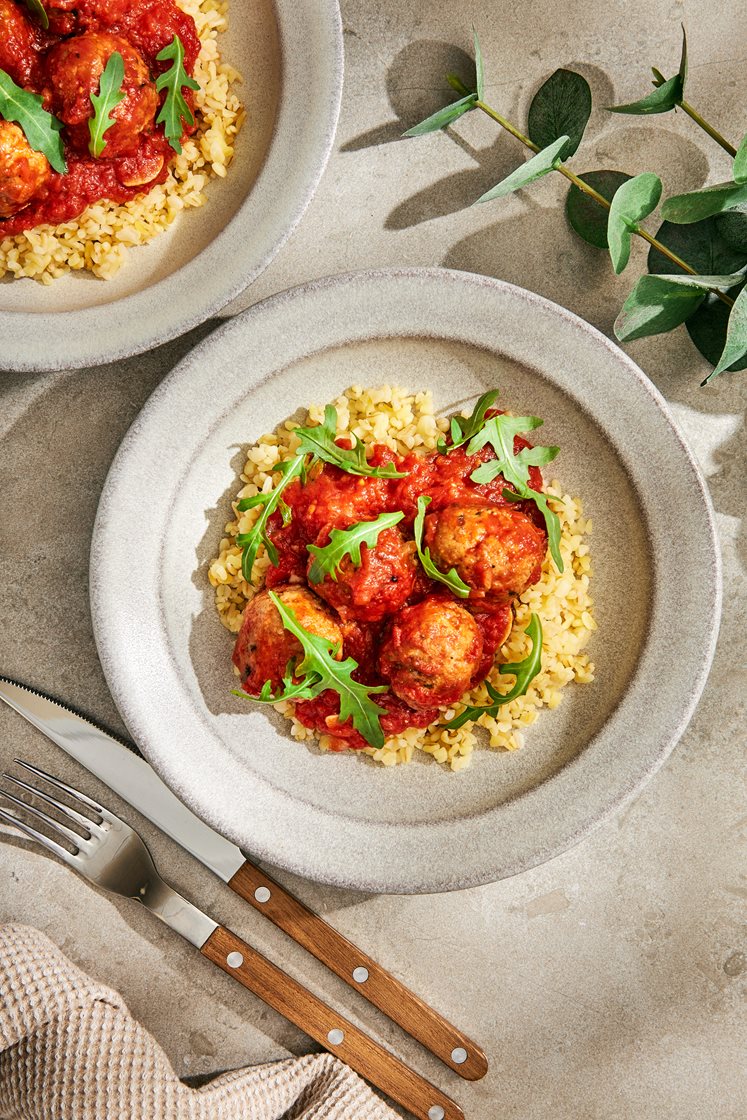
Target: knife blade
[{"x": 137, "y": 783}]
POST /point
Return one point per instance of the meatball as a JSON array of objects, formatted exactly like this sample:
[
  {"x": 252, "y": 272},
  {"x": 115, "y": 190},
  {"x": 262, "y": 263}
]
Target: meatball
[
  {"x": 18, "y": 53},
  {"x": 264, "y": 647},
  {"x": 497, "y": 550},
  {"x": 431, "y": 653},
  {"x": 74, "y": 68},
  {"x": 22, "y": 170},
  {"x": 380, "y": 585}
]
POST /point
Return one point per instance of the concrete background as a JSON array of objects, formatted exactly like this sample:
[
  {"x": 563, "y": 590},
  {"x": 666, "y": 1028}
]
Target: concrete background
[{"x": 610, "y": 982}]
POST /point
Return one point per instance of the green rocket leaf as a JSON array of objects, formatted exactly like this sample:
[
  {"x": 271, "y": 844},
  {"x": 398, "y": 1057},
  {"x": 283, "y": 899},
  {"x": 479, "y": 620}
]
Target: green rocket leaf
[
  {"x": 251, "y": 541},
  {"x": 175, "y": 112},
  {"x": 451, "y": 579},
  {"x": 525, "y": 671},
  {"x": 347, "y": 542},
  {"x": 40, "y": 128},
  {"x": 319, "y": 440},
  {"x": 37, "y": 8},
  {"x": 464, "y": 428},
  {"x": 109, "y": 96}
]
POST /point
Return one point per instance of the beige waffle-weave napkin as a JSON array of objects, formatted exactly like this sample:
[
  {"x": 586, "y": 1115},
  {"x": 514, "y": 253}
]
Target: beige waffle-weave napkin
[{"x": 70, "y": 1050}]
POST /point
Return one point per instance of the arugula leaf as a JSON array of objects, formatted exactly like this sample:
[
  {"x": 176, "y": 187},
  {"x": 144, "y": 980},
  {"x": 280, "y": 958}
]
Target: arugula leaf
[
  {"x": 175, "y": 112},
  {"x": 541, "y": 164},
  {"x": 443, "y": 117},
  {"x": 552, "y": 521},
  {"x": 561, "y": 106},
  {"x": 320, "y": 442},
  {"x": 451, "y": 579},
  {"x": 347, "y": 542},
  {"x": 250, "y": 542},
  {"x": 525, "y": 671},
  {"x": 109, "y": 96},
  {"x": 631, "y": 202},
  {"x": 695, "y": 205},
  {"x": 463, "y": 428},
  {"x": 37, "y": 8},
  {"x": 40, "y": 128},
  {"x": 323, "y": 671}
]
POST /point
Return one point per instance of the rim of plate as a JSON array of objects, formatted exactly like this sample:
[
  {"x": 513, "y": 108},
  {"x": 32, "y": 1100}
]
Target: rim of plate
[
  {"x": 309, "y": 30},
  {"x": 387, "y": 304}
]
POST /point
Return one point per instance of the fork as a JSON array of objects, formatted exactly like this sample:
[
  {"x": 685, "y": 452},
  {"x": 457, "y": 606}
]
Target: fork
[{"x": 111, "y": 854}]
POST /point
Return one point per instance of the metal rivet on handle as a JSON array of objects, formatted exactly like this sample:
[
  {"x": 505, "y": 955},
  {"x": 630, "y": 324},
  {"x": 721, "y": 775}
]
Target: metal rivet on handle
[
  {"x": 458, "y": 1055},
  {"x": 263, "y": 894},
  {"x": 336, "y": 1036},
  {"x": 436, "y": 1113},
  {"x": 360, "y": 974},
  {"x": 234, "y": 960}
]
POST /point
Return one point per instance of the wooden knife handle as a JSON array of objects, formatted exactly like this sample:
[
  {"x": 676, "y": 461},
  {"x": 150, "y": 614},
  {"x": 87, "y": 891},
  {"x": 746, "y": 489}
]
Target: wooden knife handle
[
  {"x": 329, "y": 1029},
  {"x": 358, "y": 970}
]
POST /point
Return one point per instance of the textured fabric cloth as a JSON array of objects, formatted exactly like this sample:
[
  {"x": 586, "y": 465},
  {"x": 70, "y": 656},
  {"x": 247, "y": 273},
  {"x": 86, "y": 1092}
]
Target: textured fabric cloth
[{"x": 70, "y": 1050}]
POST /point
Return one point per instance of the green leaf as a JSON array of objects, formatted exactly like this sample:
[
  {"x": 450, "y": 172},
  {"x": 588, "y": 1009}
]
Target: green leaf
[
  {"x": 109, "y": 96},
  {"x": 545, "y": 161},
  {"x": 479, "y": 69},
  {"x": 525, "y": 671},
  {"x": 702, "y": 244},
  {"x": 175, "y": 112},
  {"x": 696, "y": 205},
  {"x": 740, "y": 163},
  {"x": 250, "y": 542},
  {"x": 443, "y": 117},
  {"x": 464, "y": 428},
  {"x": 732, "y": 228},
  {"x": 707, "y": 329},
  {"x": 552, "y": 521},
  {"x": 587, "y": 217},
  {"x": 319, "y": 441},
  {"x": 632, "y": 201},
  {"x": 40, "y": 128},
  {"x": 37, "y": 8},
  {"x": 655, "y": 305},
  {"x": 451, "y": 579},
  {"x": 560, "y": 107},
  {"x": 325, "y": 672},
  {"x": 347, "y": 542},
  {"x": 499, "y": 432},
  {"x": 735, "y": 346},
  {"x": 661, "y": 100}
]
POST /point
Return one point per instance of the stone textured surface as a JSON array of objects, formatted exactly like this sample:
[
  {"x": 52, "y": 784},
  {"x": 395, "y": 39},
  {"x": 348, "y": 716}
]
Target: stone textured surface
[{"x": 608, "y": 983}]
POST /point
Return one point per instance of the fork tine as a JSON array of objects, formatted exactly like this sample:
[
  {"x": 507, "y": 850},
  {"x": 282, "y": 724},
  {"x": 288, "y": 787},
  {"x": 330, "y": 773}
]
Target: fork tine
[
  {"x": 84, "y": 821},
  {"x": 63, "y": 853},
  {"x": 77, "y": 839},
  {"x": 61, "y": 785}
]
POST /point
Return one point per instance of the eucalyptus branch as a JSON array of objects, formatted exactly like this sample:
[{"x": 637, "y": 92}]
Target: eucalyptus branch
[
  {"x": 694, "y": 115},
  {"x": 458, "y": 85}
]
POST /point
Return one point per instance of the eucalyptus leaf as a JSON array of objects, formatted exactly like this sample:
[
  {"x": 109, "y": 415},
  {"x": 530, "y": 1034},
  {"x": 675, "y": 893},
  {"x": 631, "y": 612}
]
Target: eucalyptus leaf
[
  {"x": 541, "y": 164},
  {"x": 479, "y": 68},
  {"x": 701, "y": 244},
  {"x": 586, "y": 216},
  {"x": 735, "y": 346},
  {"x": 656, "y": 305},
  {"x": 732, "y": 227},
  {"x": 707, "y": 329},
  {"x": 696, "y": 205},
  {"x": 560, "y": 107},
  {"x": 632, "y": 201},
  {"x": 740, "y": 163},
  {"x": 704, "y": 283},
  {"x": 661, "y": 100},
  {"x": 443, "y": 117}
]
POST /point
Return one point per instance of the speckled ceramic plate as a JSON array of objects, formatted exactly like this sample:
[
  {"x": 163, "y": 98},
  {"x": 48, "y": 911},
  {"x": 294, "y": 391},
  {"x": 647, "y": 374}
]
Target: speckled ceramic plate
[
  {"x": 290, "y": 55},
  {"x": 340, "y": 818}
]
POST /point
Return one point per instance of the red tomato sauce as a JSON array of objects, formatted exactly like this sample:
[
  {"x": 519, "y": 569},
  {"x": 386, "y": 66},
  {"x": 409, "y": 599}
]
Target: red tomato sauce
[
  {"x": 25, "y": 52},
  {"x": 332, "y": 498}
]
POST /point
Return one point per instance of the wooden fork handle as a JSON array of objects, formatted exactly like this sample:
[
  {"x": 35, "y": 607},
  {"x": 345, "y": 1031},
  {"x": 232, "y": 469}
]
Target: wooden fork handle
[
  {"x": 331, "y": 1030},
  {"x": 362, "y": 973}
]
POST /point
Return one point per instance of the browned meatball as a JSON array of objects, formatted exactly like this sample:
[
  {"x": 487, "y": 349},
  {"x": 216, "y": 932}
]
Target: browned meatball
[
  {"x": 74, "y": 68},
  {"x": 431, "y": 653},
  {"x": 22, "y": 170},
  {"x": 18, "y": 54},
  {"x": 264, "y": 647},
  {"x": 380, "y": 585},
  {"x": 497, "y": 550}
]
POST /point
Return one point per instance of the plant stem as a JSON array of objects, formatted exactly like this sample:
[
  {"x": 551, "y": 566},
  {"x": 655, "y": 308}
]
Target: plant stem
[
  {"x": 703, "y": 123},
  {"x": 460, "y": 88}
]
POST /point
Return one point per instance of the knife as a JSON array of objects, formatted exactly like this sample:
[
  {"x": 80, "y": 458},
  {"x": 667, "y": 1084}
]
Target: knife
[{"x": 130, "y": 776}]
